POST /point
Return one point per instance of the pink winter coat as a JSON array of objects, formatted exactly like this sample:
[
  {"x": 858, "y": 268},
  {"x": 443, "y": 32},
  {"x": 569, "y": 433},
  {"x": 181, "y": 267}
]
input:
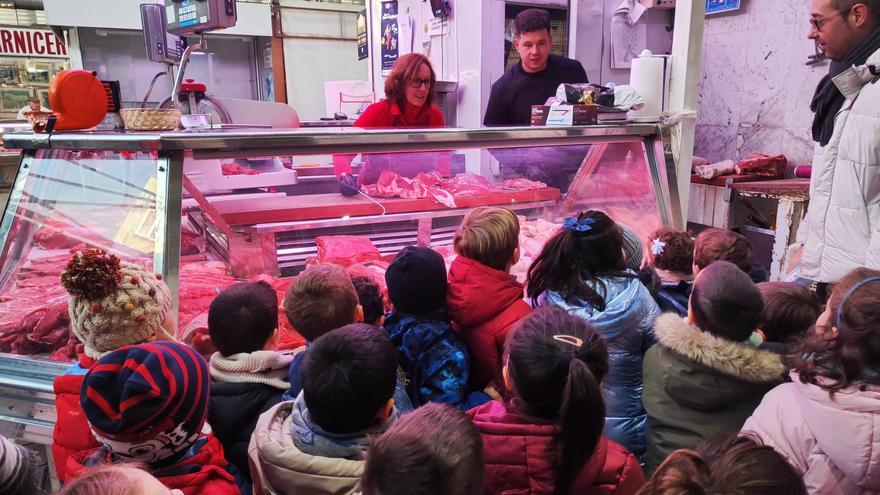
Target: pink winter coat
[{"x": 834, "y": 443}]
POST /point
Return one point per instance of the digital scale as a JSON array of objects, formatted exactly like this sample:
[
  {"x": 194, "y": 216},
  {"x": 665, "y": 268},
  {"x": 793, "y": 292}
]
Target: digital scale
[{"x": 198, "y": 16}]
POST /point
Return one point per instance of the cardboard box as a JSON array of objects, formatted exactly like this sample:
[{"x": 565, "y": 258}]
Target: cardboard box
[{"x": 564, "y": 115}]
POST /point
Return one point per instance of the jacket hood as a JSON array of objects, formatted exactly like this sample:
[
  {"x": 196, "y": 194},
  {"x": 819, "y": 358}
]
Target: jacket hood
[
  {"x": 412, "y": 336},
  {"x": 848, "y": 410},
  {"x": 234, "y": 407},
  {"x": 478, "y": 293},
  {"x": 202, "y": 470},
  {"x": 850, "y": 81},
  {"x": 710, "y": 364},
  {"x": 623, "y": 306},
  {"x": 284, "y": 465}
]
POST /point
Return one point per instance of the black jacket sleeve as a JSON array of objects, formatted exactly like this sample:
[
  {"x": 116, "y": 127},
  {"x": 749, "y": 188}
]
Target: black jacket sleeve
[{"x": 497, "y": 113}]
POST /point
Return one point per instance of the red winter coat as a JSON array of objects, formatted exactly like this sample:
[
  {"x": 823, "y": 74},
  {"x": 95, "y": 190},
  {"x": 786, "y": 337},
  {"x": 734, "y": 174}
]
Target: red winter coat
[
  {"x": 72, "y": 434},
  {"x": 520, "y": 456},
  {"x": 484, "y": 303},
  {"x": 203, "y": 472}
]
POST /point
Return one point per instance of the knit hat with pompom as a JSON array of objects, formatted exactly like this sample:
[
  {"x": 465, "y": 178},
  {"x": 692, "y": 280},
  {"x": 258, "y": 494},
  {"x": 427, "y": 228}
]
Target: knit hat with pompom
[{"x": 112, "y": 303}]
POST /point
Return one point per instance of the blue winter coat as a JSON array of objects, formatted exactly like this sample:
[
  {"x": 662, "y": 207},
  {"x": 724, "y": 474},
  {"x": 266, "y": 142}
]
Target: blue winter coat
[
  {"x": 434, "y": 359},
  {"x": 627, "y": 325}
]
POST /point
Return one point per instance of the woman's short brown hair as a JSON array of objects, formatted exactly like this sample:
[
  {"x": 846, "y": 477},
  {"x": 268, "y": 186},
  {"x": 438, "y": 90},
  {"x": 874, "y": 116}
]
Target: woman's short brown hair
[
  {"x": 404, "y": 71},
  {"x": 488, "y": 234}
]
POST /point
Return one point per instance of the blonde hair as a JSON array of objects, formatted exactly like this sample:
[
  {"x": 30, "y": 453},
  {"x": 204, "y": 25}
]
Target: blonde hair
[
  {"x": 488, "y": 234},
  {"x": 107, "y": 479}
]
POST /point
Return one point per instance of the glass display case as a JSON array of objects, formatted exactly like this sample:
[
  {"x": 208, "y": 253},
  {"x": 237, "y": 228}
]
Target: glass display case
[{"x": 207, "y": 208}]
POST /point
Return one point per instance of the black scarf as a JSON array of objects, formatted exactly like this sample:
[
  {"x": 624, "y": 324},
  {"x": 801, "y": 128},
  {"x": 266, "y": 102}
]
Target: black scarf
[{"x": 828, "y": 100}]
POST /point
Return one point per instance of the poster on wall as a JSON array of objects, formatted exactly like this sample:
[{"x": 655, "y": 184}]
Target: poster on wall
[
  {"x": 719, "y": 6},
  {"x": 363, "y": 45},
  {"x": 390, "y": 32}
]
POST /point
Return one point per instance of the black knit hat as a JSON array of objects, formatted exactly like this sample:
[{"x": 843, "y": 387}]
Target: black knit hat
[{"x": 416, "y": 281}]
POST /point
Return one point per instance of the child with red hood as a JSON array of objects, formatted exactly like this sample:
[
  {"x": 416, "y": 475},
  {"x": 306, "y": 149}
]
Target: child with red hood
[
  {"x": 148, "y": 403},
  {"x": 484, "y": 300}
]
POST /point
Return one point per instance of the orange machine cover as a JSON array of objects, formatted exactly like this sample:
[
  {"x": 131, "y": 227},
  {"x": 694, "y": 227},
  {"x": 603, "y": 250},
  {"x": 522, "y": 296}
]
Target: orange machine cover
[{"x": 78, "y": 99}]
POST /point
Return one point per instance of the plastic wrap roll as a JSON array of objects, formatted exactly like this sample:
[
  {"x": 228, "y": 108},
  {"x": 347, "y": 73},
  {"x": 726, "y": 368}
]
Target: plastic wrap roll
[{"x": 646, "y": 76}]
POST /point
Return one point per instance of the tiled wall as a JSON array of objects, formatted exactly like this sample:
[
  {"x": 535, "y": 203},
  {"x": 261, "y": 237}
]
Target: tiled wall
[{"x": 755, "y": 88}]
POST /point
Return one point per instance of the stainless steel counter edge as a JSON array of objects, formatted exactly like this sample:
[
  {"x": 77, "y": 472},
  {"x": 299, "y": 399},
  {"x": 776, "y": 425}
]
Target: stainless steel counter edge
[{"x": 333, "y": 139}]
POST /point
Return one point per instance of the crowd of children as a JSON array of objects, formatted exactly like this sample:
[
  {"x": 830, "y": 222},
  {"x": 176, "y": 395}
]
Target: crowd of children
[{"x": 599, "y": 373}]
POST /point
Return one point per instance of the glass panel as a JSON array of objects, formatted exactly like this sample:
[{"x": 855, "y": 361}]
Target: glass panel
[{"x": 70, "y": 200}]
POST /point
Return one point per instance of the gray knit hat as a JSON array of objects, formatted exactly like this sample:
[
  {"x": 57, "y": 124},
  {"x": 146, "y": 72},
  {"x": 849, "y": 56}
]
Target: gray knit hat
[{"x": 632, "y": 246}]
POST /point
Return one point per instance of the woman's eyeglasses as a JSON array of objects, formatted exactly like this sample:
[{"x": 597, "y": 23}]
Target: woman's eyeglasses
[
  {"x": 417, "y": 83},
  {"x": 818, "y": 22}
]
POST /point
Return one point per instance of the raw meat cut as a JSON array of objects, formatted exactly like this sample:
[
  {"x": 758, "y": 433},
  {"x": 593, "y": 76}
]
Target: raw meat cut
[
  {"x": 468, "y": 184},
  {"x": 344, "y": 250},
  {"x": 236, "y": 169},
  {"x": 392, "y": 185},
  {"x": 523, "y": 184},
  {"x": 760, "y": 165}
]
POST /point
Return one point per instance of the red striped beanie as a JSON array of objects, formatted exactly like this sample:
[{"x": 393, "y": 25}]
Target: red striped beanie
[{"x": 147, "y": 402}]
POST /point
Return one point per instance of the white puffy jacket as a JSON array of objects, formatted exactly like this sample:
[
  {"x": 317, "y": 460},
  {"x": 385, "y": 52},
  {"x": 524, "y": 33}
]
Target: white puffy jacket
[{"x": 843, "y": 220}]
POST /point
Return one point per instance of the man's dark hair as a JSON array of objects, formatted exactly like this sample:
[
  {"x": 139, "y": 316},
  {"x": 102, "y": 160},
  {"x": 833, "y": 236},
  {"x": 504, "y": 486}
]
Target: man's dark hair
[
  {"x": 844, "y": 6},
  {"x": 243, "y": 317},
  {"x": 434, "y": 450},
  {"x": 725, "y": 302},
  {"x": 371, "y": 299},
  {"x": 348, "y": 376},
  {"x": 320, "y": 299},
  {"x": 789, "y": 310},
  {"x": 531, "y": 20}
]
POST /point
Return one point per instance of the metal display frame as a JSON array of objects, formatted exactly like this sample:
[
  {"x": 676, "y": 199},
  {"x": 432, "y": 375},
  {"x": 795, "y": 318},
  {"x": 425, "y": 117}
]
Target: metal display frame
[{"x": 24, "y": 376}]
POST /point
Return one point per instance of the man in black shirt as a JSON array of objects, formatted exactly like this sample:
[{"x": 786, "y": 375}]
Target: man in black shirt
[{"x": 535, "y": 78}]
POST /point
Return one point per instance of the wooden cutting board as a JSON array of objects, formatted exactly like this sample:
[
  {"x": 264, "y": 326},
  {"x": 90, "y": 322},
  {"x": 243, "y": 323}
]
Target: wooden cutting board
[{"x": 324, "y": 206}]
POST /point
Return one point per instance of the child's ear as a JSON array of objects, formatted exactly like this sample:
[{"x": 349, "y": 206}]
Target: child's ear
[
  {"x": 385, "y": 412},
  {"x": 514, "y": 258},
  {"x": 358, "y": 314},
  {"x": 381, "y": 321},
  {"x": 695, "y": 269},
  {"x": 272, "y": 341},
  {"x": 506, "y": 376},
  {"x": 690, "y": 317}
]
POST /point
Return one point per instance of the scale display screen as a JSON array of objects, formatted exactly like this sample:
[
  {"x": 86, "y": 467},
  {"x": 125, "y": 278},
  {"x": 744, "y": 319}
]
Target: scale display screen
[{"x": 196, "y": 16}]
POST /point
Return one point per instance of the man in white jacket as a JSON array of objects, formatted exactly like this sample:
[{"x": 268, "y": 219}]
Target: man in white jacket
[{"x": 843, "y": 221}]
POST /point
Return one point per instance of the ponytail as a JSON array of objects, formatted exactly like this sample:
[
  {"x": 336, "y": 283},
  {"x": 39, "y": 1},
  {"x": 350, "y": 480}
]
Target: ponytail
[
  {"x": 573, "y": 262},
  {"x": 581, "y": 421},
  {"x": 556, "y": 363}
]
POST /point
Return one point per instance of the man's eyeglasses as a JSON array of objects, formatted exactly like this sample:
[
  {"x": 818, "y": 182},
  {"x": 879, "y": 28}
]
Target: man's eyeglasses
[
  {"x": 417, "y": 83},
  {"x": 818, "y": 22}
]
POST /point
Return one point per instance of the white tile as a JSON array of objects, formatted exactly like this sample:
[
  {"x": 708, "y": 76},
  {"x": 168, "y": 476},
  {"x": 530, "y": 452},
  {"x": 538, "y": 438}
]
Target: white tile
[
  {"x": 715, "y": 142},
  {"x": 766, "y": 140},
  {"x": 766, "y": 86},
  {"x": 722, "y": 77},
  {"x": 768, "y": 14},
  {"x": 799, "y": 145}
]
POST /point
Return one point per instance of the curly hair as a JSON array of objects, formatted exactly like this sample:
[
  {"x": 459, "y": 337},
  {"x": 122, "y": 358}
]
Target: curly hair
[
  {"x": 836, "y": 360},
  {"x": 676, "y": 254}
]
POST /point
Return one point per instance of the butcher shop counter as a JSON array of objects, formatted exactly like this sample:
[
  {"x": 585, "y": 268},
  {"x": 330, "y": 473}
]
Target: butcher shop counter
[{"x": 206, "y": 208}]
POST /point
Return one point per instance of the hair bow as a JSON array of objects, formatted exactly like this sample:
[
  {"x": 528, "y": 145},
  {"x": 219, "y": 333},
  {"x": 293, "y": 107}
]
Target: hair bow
[
  {"x": 575, "y": 225},
  {"x": 657, "y": 247}
]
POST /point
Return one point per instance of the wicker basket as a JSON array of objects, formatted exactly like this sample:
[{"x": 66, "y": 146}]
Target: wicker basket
[{"x": 151, "y": 119}]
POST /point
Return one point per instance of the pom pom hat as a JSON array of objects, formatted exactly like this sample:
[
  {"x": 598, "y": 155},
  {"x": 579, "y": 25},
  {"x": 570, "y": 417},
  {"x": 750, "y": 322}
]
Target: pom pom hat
[
  {"x": 147, "y": 402},
  {"x": 112, "y": 303}
]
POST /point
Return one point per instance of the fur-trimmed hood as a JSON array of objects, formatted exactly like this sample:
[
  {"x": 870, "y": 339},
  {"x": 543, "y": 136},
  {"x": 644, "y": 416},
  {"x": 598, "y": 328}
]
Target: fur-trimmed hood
[{"x": 741, "y": 361}]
